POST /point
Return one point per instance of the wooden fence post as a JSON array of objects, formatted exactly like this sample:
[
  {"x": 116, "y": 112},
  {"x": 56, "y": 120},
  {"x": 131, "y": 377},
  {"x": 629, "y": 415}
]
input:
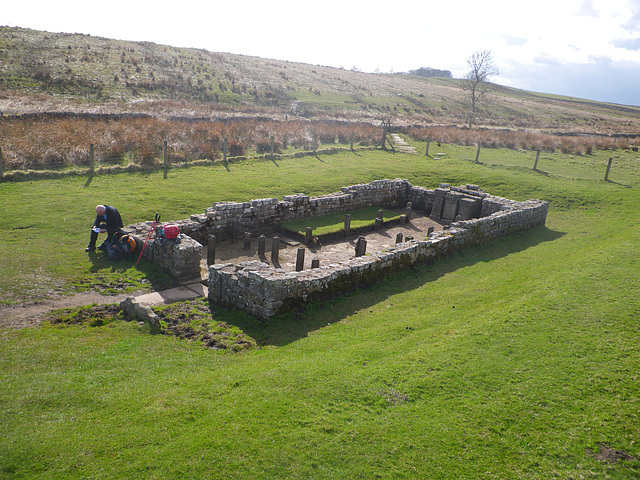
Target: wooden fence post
[
  {"x": 535, "y": 165},
  {"x": 272, "y": 148},
  {"x": 92, "y": 160},
  {"x": 165, "y": 154},
  {"x": 478, "y": 152},
  {"x": 224, "y": 151},
  {"x": 352, "y": 141},
  {"x": 428, "y": 143},
  {"x": 606, "y": 175}
]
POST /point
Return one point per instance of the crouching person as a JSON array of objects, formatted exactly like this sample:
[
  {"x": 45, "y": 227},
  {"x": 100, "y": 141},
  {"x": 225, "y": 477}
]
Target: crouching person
[{"x": 107, "y": 221}]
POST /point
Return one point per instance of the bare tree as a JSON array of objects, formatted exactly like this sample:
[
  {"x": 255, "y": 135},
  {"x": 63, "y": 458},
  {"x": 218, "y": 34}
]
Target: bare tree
[{"x": 475, "y": 83}]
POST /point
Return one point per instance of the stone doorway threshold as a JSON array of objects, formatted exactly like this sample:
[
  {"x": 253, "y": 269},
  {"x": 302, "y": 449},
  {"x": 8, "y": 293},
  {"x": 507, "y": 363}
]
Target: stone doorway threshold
[{"x": 189, "y": 291}]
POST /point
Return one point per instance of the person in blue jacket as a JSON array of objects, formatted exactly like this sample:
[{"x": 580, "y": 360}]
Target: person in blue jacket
[{"x": 107, "y": 221}]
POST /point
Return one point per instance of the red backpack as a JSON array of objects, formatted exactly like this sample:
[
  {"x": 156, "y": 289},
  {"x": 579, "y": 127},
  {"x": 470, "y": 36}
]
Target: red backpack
[{"x": 168, "y": 231}]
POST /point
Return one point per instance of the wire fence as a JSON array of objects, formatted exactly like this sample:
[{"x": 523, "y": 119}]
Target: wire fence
[{"x": 617, "y": 165}]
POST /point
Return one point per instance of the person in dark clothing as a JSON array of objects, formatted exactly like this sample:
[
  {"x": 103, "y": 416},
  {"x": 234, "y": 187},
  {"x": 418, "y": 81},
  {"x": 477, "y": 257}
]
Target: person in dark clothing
[{"x": 107, "y": 221}]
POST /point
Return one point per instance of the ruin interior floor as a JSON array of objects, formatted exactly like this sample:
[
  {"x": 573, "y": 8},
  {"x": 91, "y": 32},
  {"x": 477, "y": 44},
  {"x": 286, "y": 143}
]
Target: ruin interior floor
[{"x": 328, "y": 252}]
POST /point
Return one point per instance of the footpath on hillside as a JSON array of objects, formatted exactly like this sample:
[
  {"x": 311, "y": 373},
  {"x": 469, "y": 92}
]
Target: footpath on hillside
[{"x": 400, "y": 145}]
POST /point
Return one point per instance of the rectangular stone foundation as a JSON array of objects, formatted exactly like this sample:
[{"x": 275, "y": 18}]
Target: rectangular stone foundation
[
  {"x": 474, "y": 218},
  {"x": 263, "y": 292}
]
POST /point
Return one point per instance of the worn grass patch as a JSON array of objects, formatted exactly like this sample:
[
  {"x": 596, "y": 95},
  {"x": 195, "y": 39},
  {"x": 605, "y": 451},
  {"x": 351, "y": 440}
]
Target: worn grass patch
[
  {"x": 193, "y": 321},
  {"x": 189, "y": 320}
]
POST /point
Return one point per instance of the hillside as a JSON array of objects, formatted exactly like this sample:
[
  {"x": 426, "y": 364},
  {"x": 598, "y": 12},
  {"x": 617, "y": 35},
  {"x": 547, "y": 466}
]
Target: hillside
[{"x": 42, "y": 71}]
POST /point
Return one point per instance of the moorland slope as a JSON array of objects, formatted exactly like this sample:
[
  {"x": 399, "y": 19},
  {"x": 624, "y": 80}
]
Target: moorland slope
[{"x": 43, "y": 71}]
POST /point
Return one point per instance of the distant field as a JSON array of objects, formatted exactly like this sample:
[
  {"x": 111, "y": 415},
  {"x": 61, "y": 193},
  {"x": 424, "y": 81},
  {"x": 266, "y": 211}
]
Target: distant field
[{"x": 515, "y": 359}]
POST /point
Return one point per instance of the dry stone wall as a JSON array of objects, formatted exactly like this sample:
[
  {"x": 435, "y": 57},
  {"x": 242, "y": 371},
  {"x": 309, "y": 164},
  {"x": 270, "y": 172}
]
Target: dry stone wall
[
  {"x": 180, "y": 257},
  {"x": 227, "y": 220},
  {"x": 473, "y": 217},
  {"x": 263, "y": 216},
  {"x": 263, "y": 292}
]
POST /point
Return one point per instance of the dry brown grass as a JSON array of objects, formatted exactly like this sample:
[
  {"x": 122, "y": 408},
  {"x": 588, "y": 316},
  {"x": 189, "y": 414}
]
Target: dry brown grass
[
  {"x": 580, "y": 144},
  {"x": 40, "y": 142}
]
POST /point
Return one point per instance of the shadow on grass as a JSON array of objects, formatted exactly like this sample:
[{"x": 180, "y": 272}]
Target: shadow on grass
[
  {"x": 291, "y": 326},
  {"x": 156, "y": 277},
  {"x": 618, "y": 183}
]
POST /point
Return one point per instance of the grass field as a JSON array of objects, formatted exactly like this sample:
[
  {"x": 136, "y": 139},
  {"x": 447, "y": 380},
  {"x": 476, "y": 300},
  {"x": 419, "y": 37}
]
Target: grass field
[
  {"x": 334, "y": 223},
  {"x": 517, "y": 359}
]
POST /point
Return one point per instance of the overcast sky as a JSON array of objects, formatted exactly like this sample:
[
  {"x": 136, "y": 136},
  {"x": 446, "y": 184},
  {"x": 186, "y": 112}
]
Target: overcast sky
[{"x": 581, "y": 48}]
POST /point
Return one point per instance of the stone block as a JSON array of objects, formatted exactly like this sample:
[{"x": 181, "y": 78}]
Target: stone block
[
  {"x": 469, "y": 208},
  {"x": 439, "y": 195},
  {"x": 143, "y": 313},
  {"x": 450, "y": 209}
]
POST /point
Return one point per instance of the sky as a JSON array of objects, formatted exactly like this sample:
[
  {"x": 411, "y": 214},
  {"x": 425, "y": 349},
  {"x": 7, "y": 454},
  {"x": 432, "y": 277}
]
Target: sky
[{"x": 580, "y": 48}]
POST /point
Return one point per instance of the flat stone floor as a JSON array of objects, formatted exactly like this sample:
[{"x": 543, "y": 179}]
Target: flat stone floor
[{"x": 332, "y": 252}]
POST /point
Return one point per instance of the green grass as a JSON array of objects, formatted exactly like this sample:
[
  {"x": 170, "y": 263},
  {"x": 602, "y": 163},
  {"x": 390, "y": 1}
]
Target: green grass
[
  {"x": 625, "y": 169},
  {"x": 509, "y": 360},
  {"x": 328, "y": 224}
]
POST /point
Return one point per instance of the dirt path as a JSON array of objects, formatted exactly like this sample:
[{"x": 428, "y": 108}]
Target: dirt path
[{"x": 31, "y": 314}]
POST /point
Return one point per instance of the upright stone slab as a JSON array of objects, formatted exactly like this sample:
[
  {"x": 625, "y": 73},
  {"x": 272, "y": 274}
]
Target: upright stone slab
[
  {"x": 261, "y": 245},
  {"x": 439, "y": 195},
  {"x": 450, "y": 209},
  {"x": 408, "y": 211},
  {"x": 300, "y": 260},
  {"x": 361, "y": 247},
  {"x": 347, "y": 224},
  {"x": 275, "y": 249},
  {"x": 308, "y": 236},
  {"x": 211, "y": 250}
]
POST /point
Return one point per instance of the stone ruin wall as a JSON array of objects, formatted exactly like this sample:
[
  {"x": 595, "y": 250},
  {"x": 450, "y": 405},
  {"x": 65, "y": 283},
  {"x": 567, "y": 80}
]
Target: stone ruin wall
[
  {"x": 260, "y": 216},
  {"x": 473, "y": 218},
  {"x": 263, "y": 292}
]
